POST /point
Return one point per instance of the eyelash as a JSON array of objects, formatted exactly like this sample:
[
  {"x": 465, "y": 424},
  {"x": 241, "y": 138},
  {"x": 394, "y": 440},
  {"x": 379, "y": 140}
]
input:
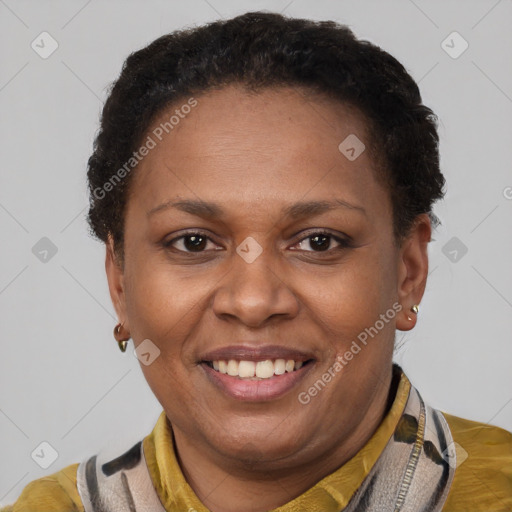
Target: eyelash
[{"x": 343, "y": 243}]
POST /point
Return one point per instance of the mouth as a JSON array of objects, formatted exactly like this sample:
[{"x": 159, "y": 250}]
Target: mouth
[{"x": 256, "y": 374}]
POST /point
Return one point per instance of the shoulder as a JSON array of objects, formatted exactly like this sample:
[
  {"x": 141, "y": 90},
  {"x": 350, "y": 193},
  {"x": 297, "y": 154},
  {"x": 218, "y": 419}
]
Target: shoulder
[
  {"x": 53, "y": 493},
  {"x": 483, "y": 477}
]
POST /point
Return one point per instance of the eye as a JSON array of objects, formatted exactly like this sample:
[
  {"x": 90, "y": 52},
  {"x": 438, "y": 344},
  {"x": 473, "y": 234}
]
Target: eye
[
  {"x": 320, "y": 241},
  {"x": 190, "y": 242},
  {"x": 197, "y": 242}
]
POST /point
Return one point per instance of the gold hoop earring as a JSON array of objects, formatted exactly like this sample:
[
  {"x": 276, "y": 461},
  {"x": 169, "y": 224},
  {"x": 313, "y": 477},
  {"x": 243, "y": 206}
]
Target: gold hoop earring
[
  {"x": 415, "y": 309},
  {"x": 122, "y": 343}
]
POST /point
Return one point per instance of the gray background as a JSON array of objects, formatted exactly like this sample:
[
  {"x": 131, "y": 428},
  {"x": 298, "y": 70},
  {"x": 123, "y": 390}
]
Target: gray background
[{"x": 62, "y": 377}]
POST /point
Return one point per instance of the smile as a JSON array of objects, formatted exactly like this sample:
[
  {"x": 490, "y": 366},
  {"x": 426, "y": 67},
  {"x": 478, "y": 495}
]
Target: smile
[
  {"x": 256, "y": 381},
  {"x": 255, "y": 370}
]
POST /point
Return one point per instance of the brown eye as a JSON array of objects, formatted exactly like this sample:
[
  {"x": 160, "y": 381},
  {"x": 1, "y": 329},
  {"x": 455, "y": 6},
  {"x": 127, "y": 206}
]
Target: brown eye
[
  {"x": 190, "y": 242},
  {"x": 322, "y": 242},
  {"x": 194, "y": 242}
]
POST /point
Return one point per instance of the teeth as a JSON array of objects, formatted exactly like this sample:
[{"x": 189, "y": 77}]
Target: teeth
[
  {"x": 279, "y": 366},
  {"x": 256, "y": 370},
  {"x": 264, "y": 369},
  {"x": 246, "y": 369},
  {"x": 232, "y": 368}
]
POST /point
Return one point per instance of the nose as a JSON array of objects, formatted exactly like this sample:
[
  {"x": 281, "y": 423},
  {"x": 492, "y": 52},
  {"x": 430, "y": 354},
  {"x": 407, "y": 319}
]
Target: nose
[{"x": 255, "y": 292}]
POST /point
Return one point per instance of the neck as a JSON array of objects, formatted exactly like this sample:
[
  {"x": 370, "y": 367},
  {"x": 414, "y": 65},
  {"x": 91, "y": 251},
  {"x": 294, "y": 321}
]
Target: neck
[{"x": 223, "y": 485}]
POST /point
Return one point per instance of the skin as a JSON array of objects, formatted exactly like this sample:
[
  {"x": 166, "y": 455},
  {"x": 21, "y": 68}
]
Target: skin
[{"x": 253, "y": 154}]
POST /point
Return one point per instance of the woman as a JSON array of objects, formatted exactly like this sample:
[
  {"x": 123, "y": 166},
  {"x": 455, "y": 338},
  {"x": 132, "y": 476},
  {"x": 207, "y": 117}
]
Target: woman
[{"x": 264, "y": 187}]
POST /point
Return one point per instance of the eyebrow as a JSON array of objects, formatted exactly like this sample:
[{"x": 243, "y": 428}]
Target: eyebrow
[{"x": 208, "y": 210}]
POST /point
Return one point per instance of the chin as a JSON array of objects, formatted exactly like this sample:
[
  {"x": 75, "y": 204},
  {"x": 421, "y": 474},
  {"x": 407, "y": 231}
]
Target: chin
[{"x": 253, "y": 447}]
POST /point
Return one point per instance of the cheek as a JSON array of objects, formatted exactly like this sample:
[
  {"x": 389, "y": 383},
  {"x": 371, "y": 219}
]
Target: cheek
[
  {"x": 162, "y": 308},
  {"x": 161, "y": 305},
  {"x": 354, "y": 297}
]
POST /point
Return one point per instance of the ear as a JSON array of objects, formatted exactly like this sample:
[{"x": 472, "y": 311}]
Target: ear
[
  {"x": 413, "y": 270},
  {"x": 115, "y": 278}
]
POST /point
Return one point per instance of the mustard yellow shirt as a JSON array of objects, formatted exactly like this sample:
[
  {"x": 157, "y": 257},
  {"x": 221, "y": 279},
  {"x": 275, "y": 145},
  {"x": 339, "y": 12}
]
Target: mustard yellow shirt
[{"x": 482, "y": 483}]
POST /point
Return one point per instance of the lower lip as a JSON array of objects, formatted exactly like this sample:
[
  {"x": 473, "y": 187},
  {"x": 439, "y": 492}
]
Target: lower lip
[{"x": 256, "y": 390}]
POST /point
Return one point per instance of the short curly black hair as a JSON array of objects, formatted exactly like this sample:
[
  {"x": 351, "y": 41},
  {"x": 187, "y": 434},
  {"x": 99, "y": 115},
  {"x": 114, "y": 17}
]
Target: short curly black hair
[{"x": 267, "y": 50}]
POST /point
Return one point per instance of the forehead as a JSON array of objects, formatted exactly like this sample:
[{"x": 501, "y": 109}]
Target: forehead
[{"x": 275, "y": 145}]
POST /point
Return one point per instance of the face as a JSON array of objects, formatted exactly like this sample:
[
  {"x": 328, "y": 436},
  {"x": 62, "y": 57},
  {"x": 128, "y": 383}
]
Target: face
[{"x": 254, "y": 246}]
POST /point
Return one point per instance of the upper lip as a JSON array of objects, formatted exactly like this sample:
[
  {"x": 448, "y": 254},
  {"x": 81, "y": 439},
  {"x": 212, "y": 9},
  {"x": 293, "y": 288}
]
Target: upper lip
[{"x": 260, "y": 353}]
